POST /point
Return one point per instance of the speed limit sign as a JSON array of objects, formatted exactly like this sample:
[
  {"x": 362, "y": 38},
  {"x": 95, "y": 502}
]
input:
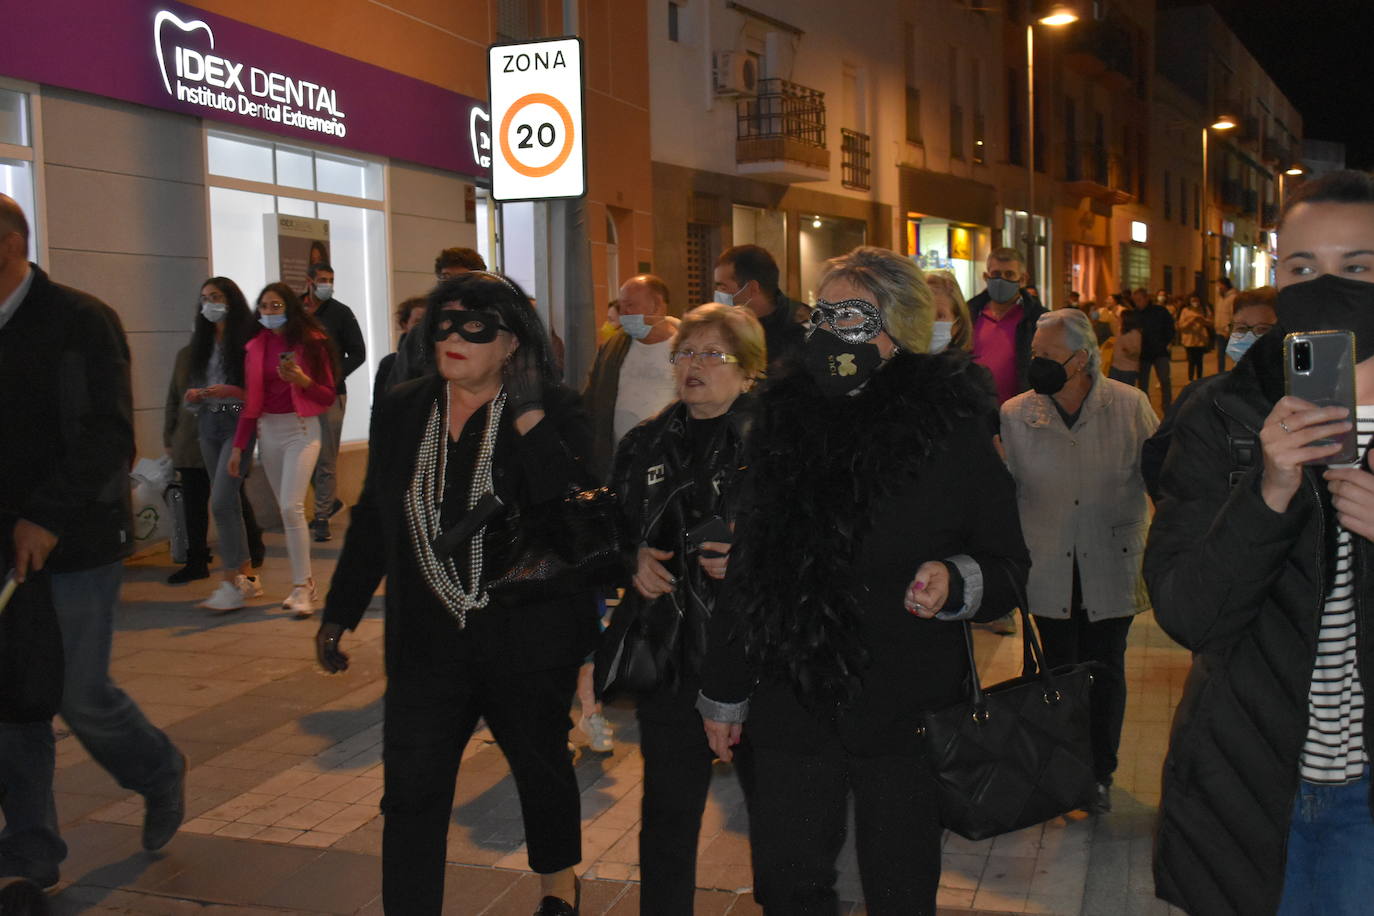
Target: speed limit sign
[{"x": 536, "y": 116}]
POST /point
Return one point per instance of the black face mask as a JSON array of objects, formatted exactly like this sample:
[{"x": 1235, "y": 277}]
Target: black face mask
[
  {"x": 1047, "y": 376},
  {"x": 471, "y": 325},
  {"x": 839, "y": 367},
  {"x": 1329, "y": 303}
]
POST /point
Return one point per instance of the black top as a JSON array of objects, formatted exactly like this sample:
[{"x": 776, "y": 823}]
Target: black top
[
  {"x": 346, "y": 337},
  {"x": 781, "y": 333},
  {"x": 1156, "y": 330},
  {"x": 422, "y": 637}
]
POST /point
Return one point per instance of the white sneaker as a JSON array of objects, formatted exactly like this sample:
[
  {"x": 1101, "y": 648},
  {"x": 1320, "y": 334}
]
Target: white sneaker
[
  {"x": 249, "y": 586},
  {"x": 226, "y": 597},
  {"x": 303, "y": 600},
  {"x": 598, "y": 732}
]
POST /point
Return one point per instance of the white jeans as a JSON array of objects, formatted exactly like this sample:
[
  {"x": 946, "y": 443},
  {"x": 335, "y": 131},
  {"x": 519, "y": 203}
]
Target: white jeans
[{"x": 288, "y": 445}]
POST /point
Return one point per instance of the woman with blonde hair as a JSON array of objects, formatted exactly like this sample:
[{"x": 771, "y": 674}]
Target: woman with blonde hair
[
  {"x": 879, "y": 517},
  {"x": 952, "y": 326},
  {"x": 676, "y": 475}
]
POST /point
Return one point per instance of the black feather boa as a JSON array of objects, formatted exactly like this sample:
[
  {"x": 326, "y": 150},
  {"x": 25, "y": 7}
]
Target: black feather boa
[{"x": 817, "y": 466}]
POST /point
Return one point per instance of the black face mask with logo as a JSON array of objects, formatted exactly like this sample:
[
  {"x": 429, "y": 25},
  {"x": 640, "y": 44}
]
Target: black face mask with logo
[
  {"x": 837, "y": 366},
  {"x": 1329, "y": 303}
]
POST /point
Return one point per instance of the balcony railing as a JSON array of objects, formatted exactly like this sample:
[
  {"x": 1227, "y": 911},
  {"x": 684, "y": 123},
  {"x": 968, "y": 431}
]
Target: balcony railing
[
  {"x": 1093, "y": 170},
  {"x": 854, "y": 159},
  {"x": 783, "y": 111}
]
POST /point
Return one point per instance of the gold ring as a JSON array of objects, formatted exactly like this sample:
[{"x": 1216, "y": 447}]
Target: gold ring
[{"x": 1284, "y": 426}]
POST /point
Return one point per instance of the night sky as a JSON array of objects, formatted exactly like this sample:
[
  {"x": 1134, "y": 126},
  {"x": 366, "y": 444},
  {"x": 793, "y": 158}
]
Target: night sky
[{"x": 1319, "y": 52}]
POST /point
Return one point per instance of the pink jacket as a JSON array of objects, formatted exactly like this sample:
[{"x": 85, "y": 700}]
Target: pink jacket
[{"x": 308, "y": 402}]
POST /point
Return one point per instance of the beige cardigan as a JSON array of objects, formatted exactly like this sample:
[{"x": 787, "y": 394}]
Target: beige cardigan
[{"x": 1081, "y": 495}]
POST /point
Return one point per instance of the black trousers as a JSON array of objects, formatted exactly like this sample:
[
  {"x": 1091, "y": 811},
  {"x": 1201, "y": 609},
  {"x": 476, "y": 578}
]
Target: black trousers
[
  {"x": 1079, "y": 639},
  {"x": 195, "y": 491},
  {"x": 426, "y": 727},
  {"x": 797, "y": 827},
  {"x": 1195, "y": 354},
  {"x": 677, "y": 778}
]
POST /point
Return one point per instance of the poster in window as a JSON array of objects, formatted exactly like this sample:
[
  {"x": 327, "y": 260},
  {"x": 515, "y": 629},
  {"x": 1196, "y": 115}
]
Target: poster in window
[{"x": 301, "y": 242}]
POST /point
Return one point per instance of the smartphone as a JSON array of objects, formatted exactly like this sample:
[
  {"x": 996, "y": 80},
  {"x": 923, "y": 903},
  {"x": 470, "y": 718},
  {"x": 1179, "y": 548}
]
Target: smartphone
[
  {"x": 287, "y": 357},
  {"x": 715, "y": 529},
  {"x": 7, "y": 590},
  {"x": 1319, "y": 366}
]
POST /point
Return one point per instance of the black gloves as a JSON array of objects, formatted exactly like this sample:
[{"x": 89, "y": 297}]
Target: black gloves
[{"x": 524, "y": 384}]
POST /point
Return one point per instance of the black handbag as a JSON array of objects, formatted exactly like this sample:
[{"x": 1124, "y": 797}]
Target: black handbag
[
  {"x": 558, "y": 547},
  {"x": 1014, "y": 754},
  {"x": 636, "y": 650}
]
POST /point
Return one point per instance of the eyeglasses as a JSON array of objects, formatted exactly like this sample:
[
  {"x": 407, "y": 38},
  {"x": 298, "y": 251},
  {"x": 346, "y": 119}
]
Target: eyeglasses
[
  {"x": 1259, "y": 330},
  {"x": 271, "y": 306},
  {"x": 702, "y": 358}
]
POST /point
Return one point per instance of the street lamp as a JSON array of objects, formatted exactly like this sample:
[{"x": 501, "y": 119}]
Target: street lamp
[
  {"x": 1059, "y": 14},
  {"x": 1221, "y": 122}
]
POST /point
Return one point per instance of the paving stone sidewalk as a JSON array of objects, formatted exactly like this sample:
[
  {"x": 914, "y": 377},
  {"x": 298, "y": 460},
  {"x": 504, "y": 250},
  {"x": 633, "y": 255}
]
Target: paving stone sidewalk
[{"x": 286, "y": 775}]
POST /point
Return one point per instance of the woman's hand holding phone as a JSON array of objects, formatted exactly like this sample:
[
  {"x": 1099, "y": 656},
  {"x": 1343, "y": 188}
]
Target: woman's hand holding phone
[{"x": 1285, "y": 440}]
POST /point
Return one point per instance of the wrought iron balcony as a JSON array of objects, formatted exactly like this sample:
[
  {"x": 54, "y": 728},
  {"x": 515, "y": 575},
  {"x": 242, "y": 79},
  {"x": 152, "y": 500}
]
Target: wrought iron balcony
[
  {"x": 854, "y": 159},
  {"x": 780, "y": 133},
  {"x": 1092, "y": 170}
]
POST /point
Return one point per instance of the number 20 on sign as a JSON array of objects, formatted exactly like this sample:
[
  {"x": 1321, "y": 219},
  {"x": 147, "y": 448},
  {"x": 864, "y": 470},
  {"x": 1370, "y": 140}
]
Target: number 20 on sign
[{"x": 536, "y": 112}]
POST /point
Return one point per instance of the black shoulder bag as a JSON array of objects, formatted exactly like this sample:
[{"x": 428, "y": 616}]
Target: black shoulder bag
[{"x": 1016, "y": 753}]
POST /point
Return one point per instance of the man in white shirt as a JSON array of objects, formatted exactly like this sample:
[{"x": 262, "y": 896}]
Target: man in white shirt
[
  {"x": 1221, "y": 319},
  {"x": 632, "y": 379}
]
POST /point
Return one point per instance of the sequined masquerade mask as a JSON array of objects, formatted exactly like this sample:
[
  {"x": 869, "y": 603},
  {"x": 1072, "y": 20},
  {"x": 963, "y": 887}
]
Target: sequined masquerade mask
[{"x": 851, "y": 320}]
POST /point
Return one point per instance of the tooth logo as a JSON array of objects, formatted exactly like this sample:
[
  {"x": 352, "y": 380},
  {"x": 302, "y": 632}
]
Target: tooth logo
[
  {"x": 193, "y": 26},
  {"x": 481, "y": 137}
]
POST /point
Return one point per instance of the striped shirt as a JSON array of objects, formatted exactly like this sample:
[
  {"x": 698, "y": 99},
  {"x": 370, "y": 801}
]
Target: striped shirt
[{"x": 1334, "y": 749}]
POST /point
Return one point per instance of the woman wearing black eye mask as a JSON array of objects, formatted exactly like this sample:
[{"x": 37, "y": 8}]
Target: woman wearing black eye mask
[
  {"x": 875, "y": 515},
  {"x": 489, "y": 417}
]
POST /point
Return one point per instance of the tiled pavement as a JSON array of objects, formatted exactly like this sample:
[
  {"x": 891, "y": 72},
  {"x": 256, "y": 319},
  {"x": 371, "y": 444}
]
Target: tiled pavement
[{"x": 285, "y": 777}]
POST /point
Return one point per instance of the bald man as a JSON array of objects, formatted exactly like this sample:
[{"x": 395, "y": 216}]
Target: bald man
[
  {"x": 631, "y": 379},
  {"x": 66, "y": 411}
]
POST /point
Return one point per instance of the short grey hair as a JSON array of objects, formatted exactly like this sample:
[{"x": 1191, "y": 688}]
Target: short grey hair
[{"x": 1078, "y": 333}]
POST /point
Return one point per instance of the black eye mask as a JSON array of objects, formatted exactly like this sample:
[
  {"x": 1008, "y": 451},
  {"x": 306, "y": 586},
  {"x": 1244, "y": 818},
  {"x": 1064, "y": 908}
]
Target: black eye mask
[{"x": 471, "y": 325}]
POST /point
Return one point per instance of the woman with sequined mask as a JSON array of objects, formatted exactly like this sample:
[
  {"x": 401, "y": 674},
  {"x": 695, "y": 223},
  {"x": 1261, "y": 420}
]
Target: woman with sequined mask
[
  {"x": 878, "y": 515},
  {"x": 489, "y": 418}
]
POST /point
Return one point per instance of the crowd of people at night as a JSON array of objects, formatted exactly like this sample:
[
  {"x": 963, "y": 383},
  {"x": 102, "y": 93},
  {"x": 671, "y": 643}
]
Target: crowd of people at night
[{"x": 807, "y": 507}]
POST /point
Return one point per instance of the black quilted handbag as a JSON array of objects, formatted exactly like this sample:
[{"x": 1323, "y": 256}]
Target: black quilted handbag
[{"x": 1016, "y": 753}]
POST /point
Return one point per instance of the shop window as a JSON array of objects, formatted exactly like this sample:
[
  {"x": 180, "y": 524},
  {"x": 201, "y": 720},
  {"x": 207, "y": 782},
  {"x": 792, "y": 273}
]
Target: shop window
[
  {"x": 820, "y": 238},
  {"x": 1135, "y": 266},
  {"x": 17, "y": 159},
  {"x": 252, "y": 181}
]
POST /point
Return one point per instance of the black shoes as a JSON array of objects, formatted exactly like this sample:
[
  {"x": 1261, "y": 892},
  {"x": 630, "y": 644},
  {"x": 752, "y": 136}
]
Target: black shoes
[
  {"x": 557, "y": 906},
  {"x": 1102, "y": 799},
  {"x": 320, "y": 528},
  {"x": 164, "y": 812},
  {"x": 197, "y": 567}
]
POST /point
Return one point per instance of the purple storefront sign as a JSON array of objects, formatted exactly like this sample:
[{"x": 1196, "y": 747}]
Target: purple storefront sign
[{"x": 176, "y": 57}]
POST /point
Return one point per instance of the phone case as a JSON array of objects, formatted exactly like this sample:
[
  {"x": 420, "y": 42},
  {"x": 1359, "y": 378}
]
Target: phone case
[{"x": 1329, "y": 382}]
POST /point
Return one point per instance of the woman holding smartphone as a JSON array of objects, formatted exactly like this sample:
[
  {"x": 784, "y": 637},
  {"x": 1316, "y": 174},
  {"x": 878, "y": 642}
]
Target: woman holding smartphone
[{"x": 289, "y": 380}]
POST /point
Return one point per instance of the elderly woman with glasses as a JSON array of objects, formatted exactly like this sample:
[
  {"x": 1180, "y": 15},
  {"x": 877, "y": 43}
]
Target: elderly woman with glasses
[
  {"x": 676, "y": 475},
  {"x": 879, "y": 516},
  {"x": 488, "y": 418}
]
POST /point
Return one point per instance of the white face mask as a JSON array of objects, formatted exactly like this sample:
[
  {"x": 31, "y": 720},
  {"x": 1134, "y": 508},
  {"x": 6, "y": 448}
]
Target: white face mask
[
  {"x": 213, "y": 311},
  {"x": 324, "y": 291},
  {"x": 941, "y": 333}
]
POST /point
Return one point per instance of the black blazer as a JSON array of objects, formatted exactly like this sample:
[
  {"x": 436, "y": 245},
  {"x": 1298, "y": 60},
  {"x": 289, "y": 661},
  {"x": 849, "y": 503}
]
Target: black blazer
[
  {"x": 66, "y": 421},
  {"x": 422, "y": 638}
]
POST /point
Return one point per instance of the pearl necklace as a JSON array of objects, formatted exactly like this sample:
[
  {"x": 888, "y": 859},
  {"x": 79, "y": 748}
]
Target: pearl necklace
[{"x": 424, "y": 502}]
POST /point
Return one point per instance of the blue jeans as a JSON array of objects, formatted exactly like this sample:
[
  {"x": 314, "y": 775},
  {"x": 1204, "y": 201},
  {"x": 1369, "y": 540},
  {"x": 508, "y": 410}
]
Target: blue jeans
[
  {"x": 107, "y": 722},
  {"x": 216, "y": 442},
  {"x": 1330, "y": 867}
]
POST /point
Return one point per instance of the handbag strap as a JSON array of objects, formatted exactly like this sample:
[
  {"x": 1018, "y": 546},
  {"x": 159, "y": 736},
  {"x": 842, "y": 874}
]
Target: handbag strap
[{"x": 1029, "y": 638}]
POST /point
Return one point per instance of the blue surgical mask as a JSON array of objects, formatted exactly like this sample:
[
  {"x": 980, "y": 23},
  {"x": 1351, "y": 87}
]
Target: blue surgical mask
[
  {"x": 272, "y": 322},
  {"x": 941, "y": 333},
  {"x": 723, "y": 297},
  {"x": 1240, "y": 344},
  {"x": 635, "y": 326},
  {"x": 213, "y": 311},
  {"x": 324, "y": 291}
]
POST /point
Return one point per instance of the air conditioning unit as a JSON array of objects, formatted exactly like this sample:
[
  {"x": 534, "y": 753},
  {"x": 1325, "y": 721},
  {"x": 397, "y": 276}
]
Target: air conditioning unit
[{"x": 736, "y": 73}]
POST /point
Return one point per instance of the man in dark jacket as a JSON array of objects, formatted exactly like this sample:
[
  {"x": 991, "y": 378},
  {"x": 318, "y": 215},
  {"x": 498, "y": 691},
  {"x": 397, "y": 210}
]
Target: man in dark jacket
[
  {"x": 747, "y": 275},
  {"x": 1256, "y": 563},
  {"x": 1156, "y": 338},
  {"x": 67, "y": 414},
  {"x": 1004, "y": 317},
  {"x": 350, "y": 351}
]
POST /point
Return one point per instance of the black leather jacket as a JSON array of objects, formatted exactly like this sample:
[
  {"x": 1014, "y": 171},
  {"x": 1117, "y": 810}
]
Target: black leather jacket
[{"x": 663, "y": 495}]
